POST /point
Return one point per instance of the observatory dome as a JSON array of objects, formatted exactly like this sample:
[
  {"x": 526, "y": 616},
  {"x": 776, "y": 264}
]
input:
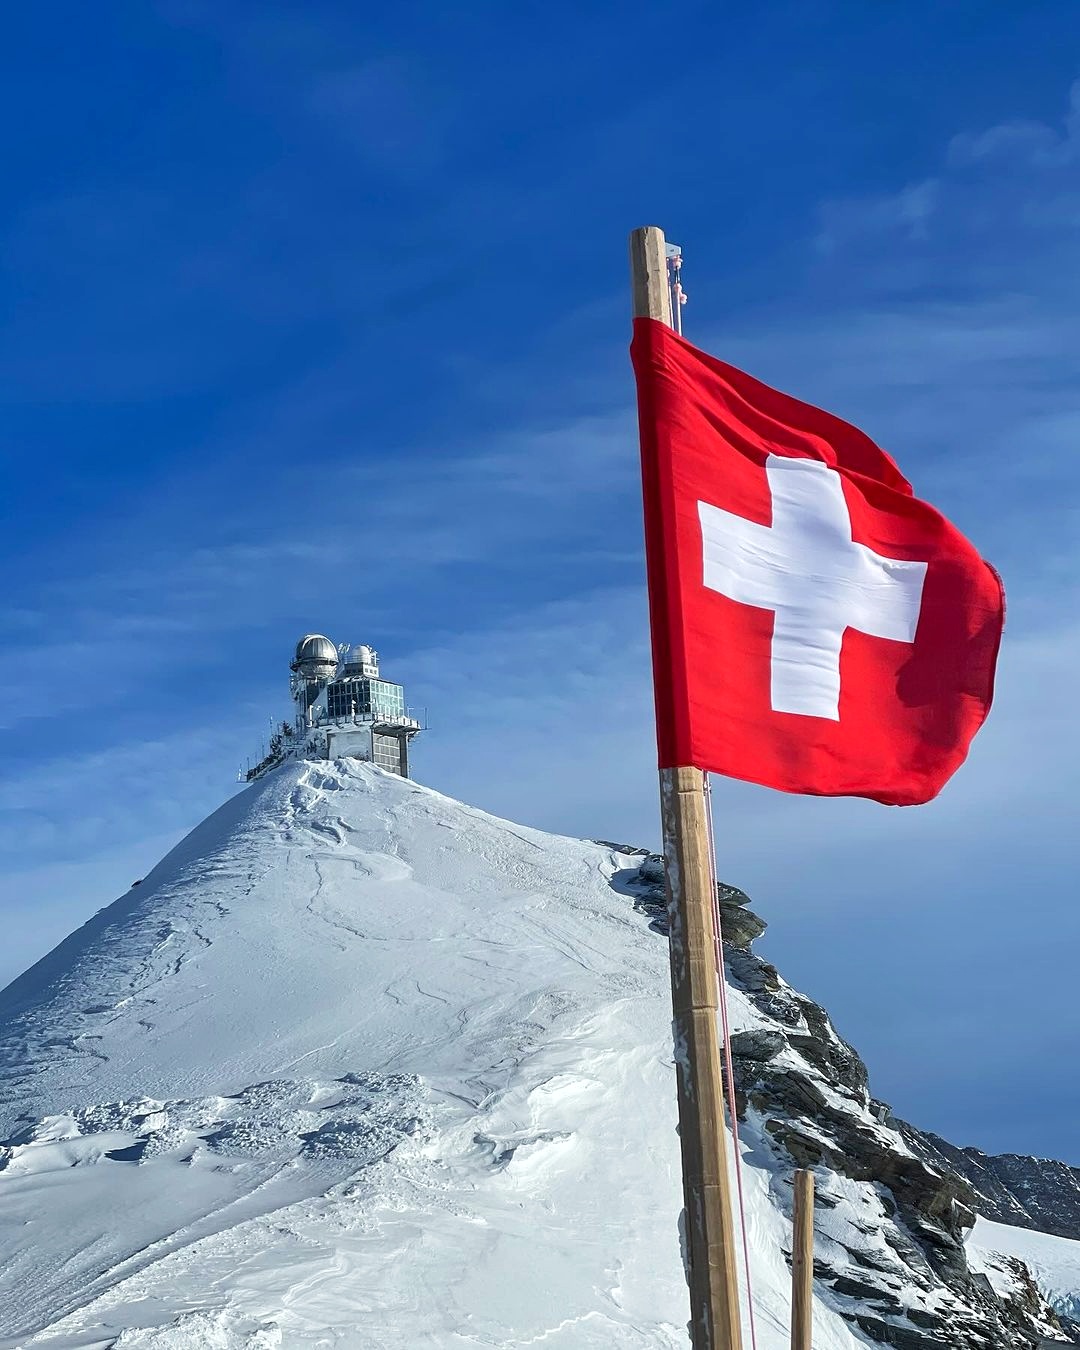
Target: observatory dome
[
  {"x": 316, "y": 656},
  {"x": 362, "y": 660}
]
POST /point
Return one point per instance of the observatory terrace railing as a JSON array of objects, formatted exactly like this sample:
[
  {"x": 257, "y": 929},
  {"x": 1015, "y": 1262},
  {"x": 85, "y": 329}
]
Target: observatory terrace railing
[{"x": 291, "y": 742}]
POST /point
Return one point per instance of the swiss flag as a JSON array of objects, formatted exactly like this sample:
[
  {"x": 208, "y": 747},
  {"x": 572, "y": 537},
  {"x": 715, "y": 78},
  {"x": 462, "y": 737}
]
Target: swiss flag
[{"x": 816, "y": 628}]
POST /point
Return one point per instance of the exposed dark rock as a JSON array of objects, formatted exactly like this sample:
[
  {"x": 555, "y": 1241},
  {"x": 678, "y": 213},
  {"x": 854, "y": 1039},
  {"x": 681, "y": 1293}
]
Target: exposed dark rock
[
  {"x": 761, "y": 1045},
  {"x": 1036, "y": 1193},
  {"x": 631, "y": 850},
  {"x": 900, "y": 1203},
  {"x": 740, "y": 926},
  {"x": 812, "y": 1096}
]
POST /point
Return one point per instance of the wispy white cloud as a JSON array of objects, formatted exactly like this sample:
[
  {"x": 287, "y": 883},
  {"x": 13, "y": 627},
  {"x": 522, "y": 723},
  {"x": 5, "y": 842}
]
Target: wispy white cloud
[
  {"x": 906, "y": 213},
  {"x": 77, "y": 827},
  {"x": 74, "y": 804},
  {"x": 547, "y": 717},
  {"x": 1035, "y": 145},
  {"x": 448, "y": 531},
  {"x": 43, "y": 901}
]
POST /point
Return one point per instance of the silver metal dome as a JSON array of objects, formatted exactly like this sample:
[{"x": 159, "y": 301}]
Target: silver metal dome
[
  {"x": 316, "y": 657},
  {"x": 362, "y": 660}
]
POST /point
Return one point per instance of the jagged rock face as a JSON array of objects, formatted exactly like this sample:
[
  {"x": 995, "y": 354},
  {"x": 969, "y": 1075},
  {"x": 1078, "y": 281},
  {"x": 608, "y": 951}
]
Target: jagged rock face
[
  {"x": 891, "y": 1213},
  {"x": 1036, "y": 1193}
]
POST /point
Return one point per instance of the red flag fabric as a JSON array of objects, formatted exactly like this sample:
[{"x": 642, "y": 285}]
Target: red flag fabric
[{"x": 816, "y": 627}]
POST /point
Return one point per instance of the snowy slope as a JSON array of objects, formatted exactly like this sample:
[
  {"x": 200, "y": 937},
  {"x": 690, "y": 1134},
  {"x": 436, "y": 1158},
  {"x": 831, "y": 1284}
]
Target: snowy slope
[
  {"x": 1053, "y": 1263},
  {"x": 359, "y": 1066}
]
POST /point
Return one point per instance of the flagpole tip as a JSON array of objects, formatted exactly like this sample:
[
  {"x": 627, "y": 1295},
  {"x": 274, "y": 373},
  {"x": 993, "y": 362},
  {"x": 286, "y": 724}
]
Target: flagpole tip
[{"x": 649, "y": 274}]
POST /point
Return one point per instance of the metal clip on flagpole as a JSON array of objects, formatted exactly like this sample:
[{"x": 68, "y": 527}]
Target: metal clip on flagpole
[
  {"x": 710, "y": 1235},
  {"x": 673, "y": 253}
]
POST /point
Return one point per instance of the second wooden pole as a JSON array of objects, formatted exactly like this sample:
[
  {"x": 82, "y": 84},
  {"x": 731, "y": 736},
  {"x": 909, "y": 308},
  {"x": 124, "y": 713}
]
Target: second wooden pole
[{"x": 802, "y": 1263}]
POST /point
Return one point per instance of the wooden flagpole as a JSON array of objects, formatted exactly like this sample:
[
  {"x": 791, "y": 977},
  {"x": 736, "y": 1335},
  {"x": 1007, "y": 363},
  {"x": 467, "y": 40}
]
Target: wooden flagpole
[
  {"x": 802, "y": 1262},
  {"x": 710, "y": 1237}
]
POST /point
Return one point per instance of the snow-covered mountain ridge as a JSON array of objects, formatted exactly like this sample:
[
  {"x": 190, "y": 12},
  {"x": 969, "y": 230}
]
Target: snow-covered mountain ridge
[
  {"x": 360, "y": 1066},
  {"x": 1011, "y": 1188}
]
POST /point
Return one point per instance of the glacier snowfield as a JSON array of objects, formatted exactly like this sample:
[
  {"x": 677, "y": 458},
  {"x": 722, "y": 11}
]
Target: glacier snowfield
[{"x": 359, "y": 1066}]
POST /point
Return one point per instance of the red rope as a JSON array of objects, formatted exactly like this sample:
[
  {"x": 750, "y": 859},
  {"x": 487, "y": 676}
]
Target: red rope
[{"x": 729, "y": 1068}]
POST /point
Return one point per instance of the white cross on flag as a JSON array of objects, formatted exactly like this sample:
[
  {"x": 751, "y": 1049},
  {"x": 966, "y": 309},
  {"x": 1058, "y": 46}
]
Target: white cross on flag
[{"x": 816, "y": 627}]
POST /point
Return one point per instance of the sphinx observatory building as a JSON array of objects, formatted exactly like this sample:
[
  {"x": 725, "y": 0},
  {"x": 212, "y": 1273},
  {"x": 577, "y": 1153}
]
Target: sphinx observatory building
[{"x": 342, "y": 707}]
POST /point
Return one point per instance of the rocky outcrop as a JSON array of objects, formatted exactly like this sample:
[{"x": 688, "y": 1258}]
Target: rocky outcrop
[
  {"x": 893, "y": 1208},
  {"x": 739, "y": 924}
]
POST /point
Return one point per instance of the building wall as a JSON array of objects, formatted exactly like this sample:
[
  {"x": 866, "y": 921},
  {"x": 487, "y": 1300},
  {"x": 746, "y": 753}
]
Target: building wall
[
  {"x": 351, "y": 741},
  {"x": 388, "y": 752}
]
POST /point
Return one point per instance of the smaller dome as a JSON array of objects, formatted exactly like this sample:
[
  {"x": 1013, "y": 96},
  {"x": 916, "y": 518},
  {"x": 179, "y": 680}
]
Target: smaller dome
[
  {"x": 315, "y": 655},
  {"x": 361, "y": 658}
]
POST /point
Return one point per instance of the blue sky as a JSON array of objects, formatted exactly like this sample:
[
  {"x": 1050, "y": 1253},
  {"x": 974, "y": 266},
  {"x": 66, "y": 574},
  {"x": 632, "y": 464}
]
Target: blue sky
[{"x": 315, "y": 318}]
